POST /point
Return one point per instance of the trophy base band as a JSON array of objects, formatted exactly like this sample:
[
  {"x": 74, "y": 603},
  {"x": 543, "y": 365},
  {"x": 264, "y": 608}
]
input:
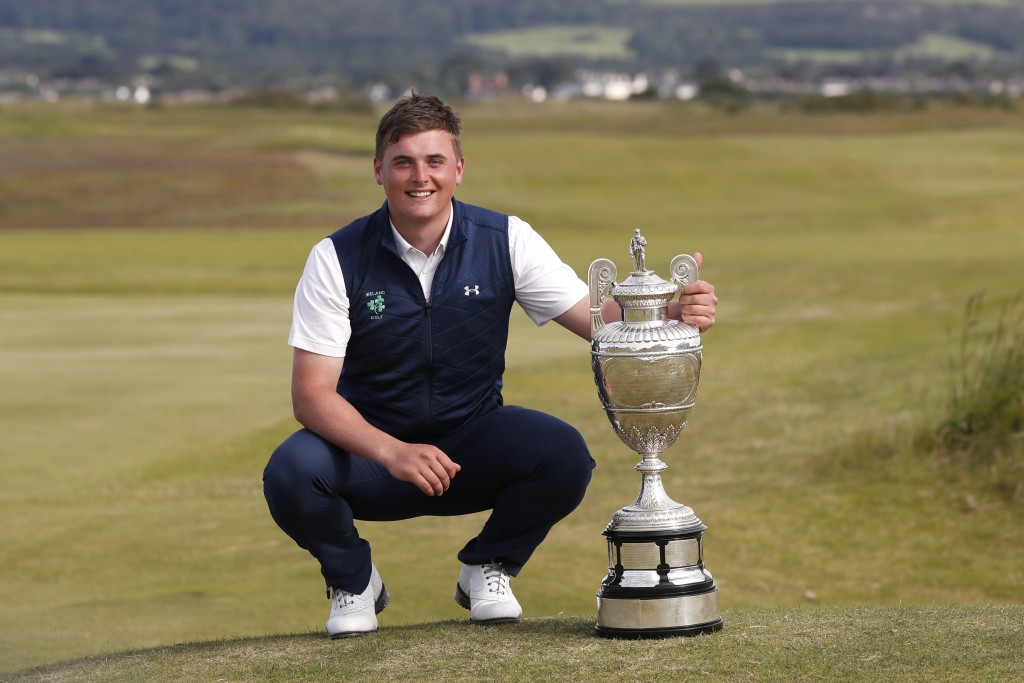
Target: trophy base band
[
  {"x": 657, "y": 587},
  {"x": 659, "y": 617}
]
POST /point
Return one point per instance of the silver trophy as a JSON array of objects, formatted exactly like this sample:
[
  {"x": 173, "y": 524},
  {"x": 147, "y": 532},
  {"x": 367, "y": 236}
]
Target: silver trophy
[{"x": 647, "y": 368}]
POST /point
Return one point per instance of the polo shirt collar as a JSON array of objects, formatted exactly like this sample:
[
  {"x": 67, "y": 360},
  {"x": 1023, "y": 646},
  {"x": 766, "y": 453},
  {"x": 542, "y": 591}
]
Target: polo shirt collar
[{"x": 403, "y": 247}]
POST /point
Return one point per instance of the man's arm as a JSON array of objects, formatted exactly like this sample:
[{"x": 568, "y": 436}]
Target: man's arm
[
  {"x": 696, "y": 305},
  {"x": 318, "y": 407}
]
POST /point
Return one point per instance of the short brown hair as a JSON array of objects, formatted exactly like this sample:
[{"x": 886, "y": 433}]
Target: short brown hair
[{"x": 417, "y": 114}]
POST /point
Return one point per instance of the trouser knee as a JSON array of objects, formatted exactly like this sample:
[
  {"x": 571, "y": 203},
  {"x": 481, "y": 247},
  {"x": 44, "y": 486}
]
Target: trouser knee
[
  {"x": 569, "y": 465},
  {"x": 296, "y": 475}
]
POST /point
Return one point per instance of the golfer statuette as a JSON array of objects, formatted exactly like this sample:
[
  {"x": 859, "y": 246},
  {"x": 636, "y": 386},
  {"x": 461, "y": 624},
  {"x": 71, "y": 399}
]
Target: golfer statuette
[{"x": 647, "y": 367}]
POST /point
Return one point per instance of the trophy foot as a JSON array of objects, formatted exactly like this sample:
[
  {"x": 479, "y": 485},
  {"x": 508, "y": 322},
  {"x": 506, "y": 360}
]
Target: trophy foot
[
  {"x": 634, "y": 519},
  {"x": 657, "y": 587},
  {"x": 650, "y": 633}
]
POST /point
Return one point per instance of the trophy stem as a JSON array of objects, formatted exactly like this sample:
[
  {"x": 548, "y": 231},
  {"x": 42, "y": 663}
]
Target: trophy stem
[
  {"x": 653, "y": 509},
  {"x": 651, "y": 462},
  {"x": 652, "y": 491}
]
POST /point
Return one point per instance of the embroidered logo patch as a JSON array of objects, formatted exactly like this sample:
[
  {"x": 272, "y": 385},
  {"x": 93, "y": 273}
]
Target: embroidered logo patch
[
  {"x": 475, "y": 289},
  {"x": 375, "y": 302}
]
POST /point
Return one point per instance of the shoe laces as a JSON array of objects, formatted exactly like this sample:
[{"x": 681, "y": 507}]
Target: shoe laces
[
  {"x": 341, "y": 598},
  {"x": 496, "y": 578}
]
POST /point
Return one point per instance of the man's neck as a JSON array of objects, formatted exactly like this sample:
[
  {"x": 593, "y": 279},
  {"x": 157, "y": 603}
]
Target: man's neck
[{"x": 424, "y": 237}]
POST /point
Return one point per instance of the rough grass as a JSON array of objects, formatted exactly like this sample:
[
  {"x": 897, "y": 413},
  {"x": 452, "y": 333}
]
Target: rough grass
[
  {"x": 986, "y": 403},
  {"x": 983, "y": 430},
  {"x": 977, "y": 438},
  {"x": 145, "y": 372},
  {"x": 927, "y": 644}
]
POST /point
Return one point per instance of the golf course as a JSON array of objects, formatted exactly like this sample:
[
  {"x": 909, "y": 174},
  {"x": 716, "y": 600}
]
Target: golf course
[{"x": 865, "y": 517}]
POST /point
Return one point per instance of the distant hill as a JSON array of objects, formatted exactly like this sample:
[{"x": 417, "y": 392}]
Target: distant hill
[{"x": 353, "y": 43}]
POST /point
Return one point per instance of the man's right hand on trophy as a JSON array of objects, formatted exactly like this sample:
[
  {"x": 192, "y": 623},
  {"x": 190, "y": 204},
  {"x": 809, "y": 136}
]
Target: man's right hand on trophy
[{"x": 697, "y": 302}]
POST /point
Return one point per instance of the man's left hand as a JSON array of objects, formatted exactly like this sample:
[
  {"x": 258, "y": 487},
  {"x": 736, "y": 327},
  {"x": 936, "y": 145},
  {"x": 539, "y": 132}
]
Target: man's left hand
[{"x": 697, "y": 301}]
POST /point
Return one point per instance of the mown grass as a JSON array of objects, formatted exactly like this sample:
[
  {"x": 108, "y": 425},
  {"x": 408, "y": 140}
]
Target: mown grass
[
  {"x": 145, "y": 371},
  {"x": 927, "y": 644}
]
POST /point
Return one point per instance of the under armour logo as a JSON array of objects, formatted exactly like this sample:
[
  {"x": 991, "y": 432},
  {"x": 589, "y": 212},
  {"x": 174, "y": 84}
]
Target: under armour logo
[{"x": 475, "y": 289}]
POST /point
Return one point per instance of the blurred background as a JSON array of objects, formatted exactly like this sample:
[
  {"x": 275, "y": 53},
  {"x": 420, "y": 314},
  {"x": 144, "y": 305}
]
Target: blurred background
[{"x": 328, "y": 50}]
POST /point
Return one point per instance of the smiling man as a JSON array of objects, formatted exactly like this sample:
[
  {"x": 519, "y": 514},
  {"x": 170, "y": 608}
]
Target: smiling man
[{"x": 399, "y": 329}]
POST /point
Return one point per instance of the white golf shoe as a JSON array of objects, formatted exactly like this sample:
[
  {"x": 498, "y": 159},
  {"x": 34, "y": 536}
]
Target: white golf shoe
[
  {"x": 356, "y": 614},
  {"x": 484, "y": 590}
]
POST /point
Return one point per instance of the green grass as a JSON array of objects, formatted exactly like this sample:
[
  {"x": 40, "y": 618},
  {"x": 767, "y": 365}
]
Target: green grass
[
  {"x": 946, "y": 47},
  {"x": 929, "y": 46},
  {"x": 926, "y": 644},
  {"x": 983, "y": 427},
  {"x": 590, "y": 41},
  {"x": 145, "y": 379}
]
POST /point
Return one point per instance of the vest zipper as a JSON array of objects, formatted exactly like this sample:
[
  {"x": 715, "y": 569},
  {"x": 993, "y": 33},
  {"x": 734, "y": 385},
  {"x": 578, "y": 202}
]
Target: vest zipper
[{"x": 430, "y": 361}]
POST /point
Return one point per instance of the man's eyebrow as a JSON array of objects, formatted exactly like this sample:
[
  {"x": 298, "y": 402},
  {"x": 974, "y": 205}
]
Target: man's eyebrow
[{"x": 406, "y": 157}]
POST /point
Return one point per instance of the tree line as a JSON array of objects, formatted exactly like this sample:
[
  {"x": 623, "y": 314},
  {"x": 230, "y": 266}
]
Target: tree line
[{"x": 218, "y": 43}]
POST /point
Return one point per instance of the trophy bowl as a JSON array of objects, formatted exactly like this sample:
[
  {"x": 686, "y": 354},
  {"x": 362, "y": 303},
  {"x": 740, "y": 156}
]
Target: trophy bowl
[{"x": 647, "y": 368}]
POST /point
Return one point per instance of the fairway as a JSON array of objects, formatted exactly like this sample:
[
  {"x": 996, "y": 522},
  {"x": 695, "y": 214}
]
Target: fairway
[{"x": 145, "y": 370}]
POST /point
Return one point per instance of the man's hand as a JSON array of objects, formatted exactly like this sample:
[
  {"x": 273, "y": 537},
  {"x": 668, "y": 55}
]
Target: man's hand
[
  {"x": 697, "y": 301},
  {"x": 426, "y": 466},
  {"x": 319, "y": 407}
]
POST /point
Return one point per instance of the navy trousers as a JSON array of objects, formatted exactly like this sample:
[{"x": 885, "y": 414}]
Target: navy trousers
[{"x": 529, "y": 468}]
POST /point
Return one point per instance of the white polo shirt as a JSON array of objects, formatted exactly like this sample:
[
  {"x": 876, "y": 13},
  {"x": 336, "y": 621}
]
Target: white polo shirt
[{"x": 545, "y": 286}]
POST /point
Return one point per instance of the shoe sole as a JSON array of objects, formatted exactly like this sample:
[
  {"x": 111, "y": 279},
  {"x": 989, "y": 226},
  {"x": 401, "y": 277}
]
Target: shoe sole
[
  {"x": 382, "y": 600},
  {"x": 378, "y": 606},
  {"x": 463, "y": 600},
  {"x": 350, "y": 634}
]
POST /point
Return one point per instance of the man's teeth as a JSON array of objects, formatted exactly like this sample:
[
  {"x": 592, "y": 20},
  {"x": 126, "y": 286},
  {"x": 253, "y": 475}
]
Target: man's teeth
[{"x": 421, "y": 194}]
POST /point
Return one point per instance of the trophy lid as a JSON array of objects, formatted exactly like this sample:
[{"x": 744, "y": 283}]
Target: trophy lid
[
  {"x": 644, "y": 289},
  {"x": 644, "y": 297}
]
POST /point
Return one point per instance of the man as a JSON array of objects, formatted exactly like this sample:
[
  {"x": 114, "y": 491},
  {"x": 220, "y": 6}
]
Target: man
[
  {"x": 399, "y": 330},
  {"x": 637, "y": 249}
]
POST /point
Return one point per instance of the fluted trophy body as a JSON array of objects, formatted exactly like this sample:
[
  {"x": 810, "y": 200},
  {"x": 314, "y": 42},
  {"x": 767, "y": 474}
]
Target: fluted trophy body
[{"x": 647, "y": 369}]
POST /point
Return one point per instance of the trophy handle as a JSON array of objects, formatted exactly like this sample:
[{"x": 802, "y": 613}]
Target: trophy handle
[
  {"x": 684, "y": 270},
  {"x": 602, "y": 274}
]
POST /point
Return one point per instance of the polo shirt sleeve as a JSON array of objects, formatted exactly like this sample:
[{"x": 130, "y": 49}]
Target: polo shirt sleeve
[
  {"x": 320, "y": 321},
  {"x": 545, "y": 286}
]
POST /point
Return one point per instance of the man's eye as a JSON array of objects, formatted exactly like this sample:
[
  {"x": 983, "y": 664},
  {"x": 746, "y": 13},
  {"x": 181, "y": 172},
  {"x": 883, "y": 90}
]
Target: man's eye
[{"x": 436, "y": 162}]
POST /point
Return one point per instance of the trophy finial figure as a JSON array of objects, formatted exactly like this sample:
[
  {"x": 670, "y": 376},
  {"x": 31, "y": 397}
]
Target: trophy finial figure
[{"x": 637, "y": 250}]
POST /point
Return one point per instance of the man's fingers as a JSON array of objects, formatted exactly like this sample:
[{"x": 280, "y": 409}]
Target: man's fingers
[
  {"x": 440, "y": 474},
  {"x": 426, "y": 467},
  {"x": 697, "y": 288},
  {"x": 451, "y": 467},
  {"x": 420, "y": 482}
]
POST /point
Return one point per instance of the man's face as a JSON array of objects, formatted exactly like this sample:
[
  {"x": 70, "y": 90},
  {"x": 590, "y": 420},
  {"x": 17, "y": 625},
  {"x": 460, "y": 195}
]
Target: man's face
[{"x": 419, "y": 174}]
